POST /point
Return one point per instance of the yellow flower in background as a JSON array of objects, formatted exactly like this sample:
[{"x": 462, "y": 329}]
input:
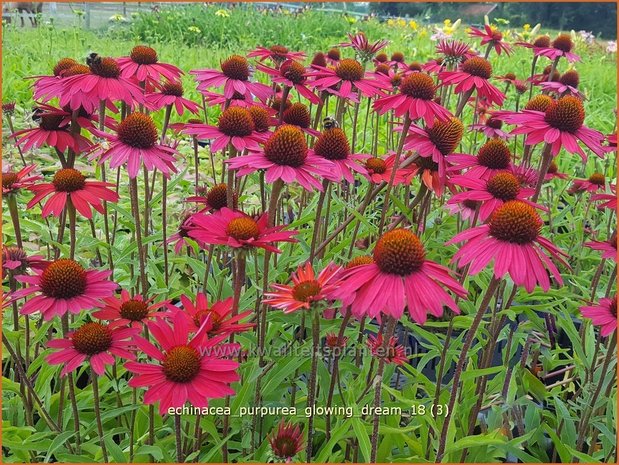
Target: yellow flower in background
[
  {"x": 448, "y": 30},
  {"x": 194, "y": 29},
  {"x": 526, "y": 27},
  {"x": 447, "y": 22},
  {"x": 222, "y": 13},
  {"x": 390, "y": 22},
  {"x": 351, "y": 19},
  {"x": 413, "y": 25},
  {"x": 401, "y": 22},
  {"x": 468, "y": 30},
  {"x": 423, "y": 33}
]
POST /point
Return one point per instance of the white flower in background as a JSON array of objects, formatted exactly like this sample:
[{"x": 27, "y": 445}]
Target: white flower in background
[
  {"x": 587, "y": 37},
  {"x": 611, "y": 46}
]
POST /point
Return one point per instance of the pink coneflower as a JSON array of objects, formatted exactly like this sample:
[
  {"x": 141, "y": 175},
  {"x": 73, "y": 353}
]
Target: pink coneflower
[
  {"x": 553, "y": 173},
  {"x": 509, "y": 78},
  {"x": 143, "y": 64},
  {"x": 491, "y": 128},
  {"x": 561, "y": 125},
  {"x": 13, "y": 181},
  {"x": 466, "y": 209},
  {"x": 333, "y": 145},
  {"x": 306, "y": 289},
  {"x": 492, "y": 37},
  {"x": 70, "y": 184},
  {"x": 64, "y": 286},
  {"x": 416, "y": 97},
  {"x": 434, "y": 66},
  {"x": 430, "y": 174},
  {"x": 217, "y": 318},
  {"x": 179, "y": 238},
  {"x": 349, "y": 77},
  {"x": 454, "y": 52},
  {"x": 593, "y": 183},
  {"x": 285, "y": 156},
  {"x": 235, "y": 126},
  {"x": 393, "y": 353},
  {"x": 299, "y": 115},
  {"x": 512, "y": 239},
  {"x": 400, "y": 277},
  {"x": 333, "y": 57},
  {"x": 277, "y": 53},
  {"x": 136, "y": 142},
  {"x": 237, "y": 100},
  {"x": 332, "y": 341},
  {"x": 493, "y": 157},
  {"x": 474, "y": 74},
  {"x": 436, "y": 142},
  {"x": 293, "y": 75},
  {"x": 379, "y": 170},
  {"x": 95, "y": 342},
  {"x": 103, "y": 83},
  {"x": 608, "y": 200},
  {"x": 237, "y": 230},
  {"x": 17, "y": 261},
  {"x": 362, "y": 47},
  {"x": 608, "y": 247},
  {"x": 560, "y": 47},
  {"x": 397, "y": 61},
  {"x": 286, "y": 441},
  {"x": 491, "y": 193},
  {"x": 234, "y": 77},
  {"x": 604, "y": 315},
  {"x": 214, "y": 198},
  {"x": 53, "y": 130},
  {"x": 320, "y": 59},
  {"x": 46, "y": 88},
  {"x": 567, "y": 85},
  {"x": 185, "y": 368},
  {"x": 171, "y": 94},
  {"x": 126, "y": 310}
]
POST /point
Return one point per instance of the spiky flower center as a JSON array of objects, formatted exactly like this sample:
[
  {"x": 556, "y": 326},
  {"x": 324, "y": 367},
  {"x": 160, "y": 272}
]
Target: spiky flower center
[
  {"x": 398, "y": 57},
  {"x": 334, "y": 54},
  {"x": 516, "y": 222},
  {"x": 277, "y": 103},
  {"x": 8, "y": 179},
  {"x": 15, "y": 254},
  {"x": 287, "y": 146},
  {"x": 360, "y": 260},
  {"x": 478, "y": 66},
  {"x": 418, "y": 85},
  {"x": 426, "y": 163},
  {"x": 503, "y": 186},
  {"x": 319, "y": 60},
  {"x": 92, "y": 338},
  {"x": 236, "y": 67},
  {"x": 105, "y": 67},
  {"x": 144, "y": 55},
  {"x": 399, "y": 252},
  {"x": 494, "y": 123},
  {"x": 542, "y": 42},
  {"x": 69, "y": 180},
  {"x": 539, "y": 103},
  {"x": 236, "y": 122},
  {"x": 173, "y": 88},
  {"x": 332, "y": 145},
  {"x": 470, "y": 204},
  {"x": 510, "y": 76},
  {"x": 201, "y": 315},
  {"x": 50, "y": 122},
  {"x": 553, "y": 168},
  {"x": 284, "y": 447},
  {"x": 383, "y": 69},
  {"x": 494, "y": 154},
  {"x": 306, "y": 291},
  {"x": 613, "y": 307},
  {"x": 278, "y": 52},
  {"x": 63, "y": 279},
  {"x": 570, "y": 78},
  {"x": 563, "y": 42},
  {"x": 298, "y": 114},
  {"x": 138, "y": 130},
  {"x": 243, "y": 229},
  {"x": 260, "y": 117},
  {"x": 566, "y": 114},
  {"x": 446, "y": 135},
  {"x": 217, "y": 196},
  {"x": 63, "y": 64},
  {"x": 415, "y": 66},
  {"x": 293, "y": 71},
  {"x": 75, "y": 70},
  {"x": 181, "y": 364},
  {"x": 598, "y": 179},
  {"x": 349, "y": 70},
  {"x": 134, "y": 310},
  {"x": 376, "y": 165}
]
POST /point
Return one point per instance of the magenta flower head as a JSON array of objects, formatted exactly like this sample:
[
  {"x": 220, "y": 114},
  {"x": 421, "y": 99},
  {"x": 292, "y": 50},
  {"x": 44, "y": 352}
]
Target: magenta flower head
[
  {"x": 512, "y": 239},
  {"x": 136, "y": 143},
  {"x": 346, "y": 80},
  {"x": 14, "y": 181},
  {"x": 474, "y": 74},
  {"x": 171, "y": 93},
  {"x": 294, "y": 75},
  {"x": 64, "y": 286},
  {"x": 184, "y": 367},
  {"x": 333, "y": 145},
  {"x": 604, "y": 315},
  {"x": 562, "y": 46},
  {"x": 399, "y": 277},
  {"x": 276, "y": 53},
  {"x": 493, "y": 37},
  {"x": 143, "y": 64},
  {"x": 363, "y": 48},
  {"x": 286, "y": 441}
]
